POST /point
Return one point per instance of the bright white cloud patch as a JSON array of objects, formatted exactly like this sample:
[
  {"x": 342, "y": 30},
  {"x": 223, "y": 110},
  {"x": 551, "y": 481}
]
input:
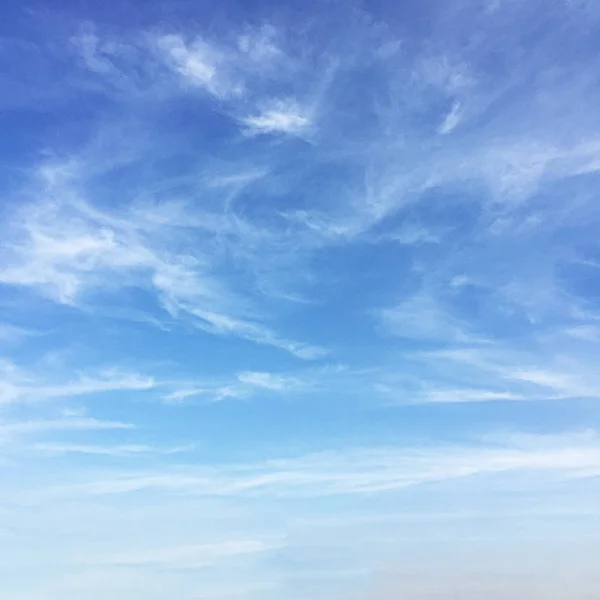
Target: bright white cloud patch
[
  {"x": 282, "y": 117},
  {"x": 195, "y": 62},
  {"x": 268, "y": 381},
  {"x": 310, "y": 296},
  {"x": 451, "y": 120},
  {"x": 21, "y": 386}
]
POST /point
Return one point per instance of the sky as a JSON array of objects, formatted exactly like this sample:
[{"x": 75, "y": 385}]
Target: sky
[{"x": 300, "y": 300}]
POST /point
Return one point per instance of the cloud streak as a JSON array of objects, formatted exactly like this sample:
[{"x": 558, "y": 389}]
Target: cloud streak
[
  {"x": 364, "y": 471},
  {"x": 23, "y": 428},
  {"x": 283, "y": 117},
  {"x": 75, "y": 263},
  {"x": 20, "y": 387}
]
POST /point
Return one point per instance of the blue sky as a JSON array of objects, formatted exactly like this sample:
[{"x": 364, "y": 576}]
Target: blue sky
[{"x": 299, "y": 300}]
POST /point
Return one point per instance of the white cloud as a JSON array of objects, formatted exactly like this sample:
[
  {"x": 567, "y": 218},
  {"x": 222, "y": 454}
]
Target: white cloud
[
  {"x": 269, "y": 381},
  {"x": 444, "y": 72},
  {"x": 13, "y": 333},
  {"x": 245, "y": 384},
  {"x": 466, "y": 395},
  {"x": 227, "y": 325},
  {"x": 63, "y": 254},
  {"x": 118, "y": 450},
  {"x": 9, "y": 430},
  {"x": 229, "y": 72},
  {"x": 451, "y": 120},
  {"x": 545, "y": 371},
  {"x": 87, "y": 43},
  {"x": 515, "y": 169},
  {"x": 194, "y": 556},
  {"x": 20, "y": 386},
  {"x": 179, "y": 396},
  {"x": 421, "y": 317},
  {"x": 364, "y": 470},
  {"x": 69, "y": 251},
  {"x": 280, "y": 117},
  {"x": 588, "y": 333},
  {"x": 260, "y": 45},
  {"x": 560, "y": 384},
  {"x": 197, "y": 62},
  {"x": 412, "y": 234}
]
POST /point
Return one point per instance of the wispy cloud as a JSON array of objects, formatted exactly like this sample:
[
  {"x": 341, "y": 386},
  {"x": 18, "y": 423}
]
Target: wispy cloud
[
  {"x": 512, "y": 373},
  {"x": 230, "y": 72},
  {"x": 19, "y": 386},
  {"x": 365, "y": 470},
  {"x": 117, "y": 450},
  {"x": 269, "y": 381},
  {"x": 281, "y": 117},
  {"x": 194, "y": 557},
  {"x": 466, "y": 395},
  {"x": 198, "y": 63},
  {"x": 22, "y": 386},
  {"x": 21, "y": 438},
  {"x": 23, "y": 428},
  {"x": 420, "y": 317},
  {"x": 451, "y": 120},
  {"x": 13, "y": 333},
  {"x": 68, "y": 251},
  {"x": 243, "y": 385}
]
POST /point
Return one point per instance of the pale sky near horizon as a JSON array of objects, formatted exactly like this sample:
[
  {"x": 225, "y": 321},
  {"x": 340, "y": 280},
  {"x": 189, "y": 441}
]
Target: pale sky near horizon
[{"x": 300, "y": 300}]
